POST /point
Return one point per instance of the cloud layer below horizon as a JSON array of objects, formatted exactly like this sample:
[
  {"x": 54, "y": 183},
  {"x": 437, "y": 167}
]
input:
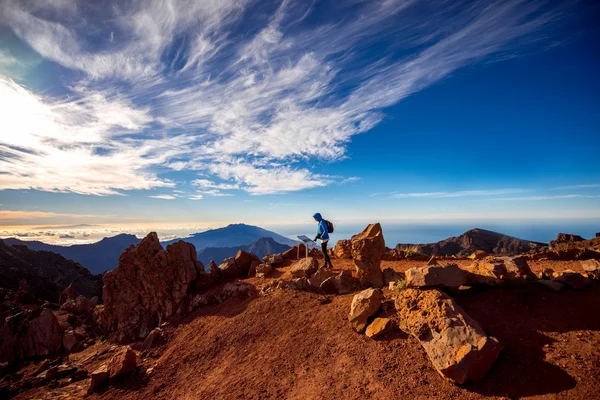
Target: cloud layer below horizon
[{"x": 243, "y": 95}]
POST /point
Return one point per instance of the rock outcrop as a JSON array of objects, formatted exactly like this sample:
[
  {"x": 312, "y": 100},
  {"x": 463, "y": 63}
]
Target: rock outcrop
[
  {"x": 455, "y": 343},
  {"x": 447, "y": 276},
  {"x": 343, "y": 249},
  {"x": 565, "y": 238},
  {"x": 364, "y": 306},
  {"x": 148, "y": 286},
  {"x": 367, "y": 249},
  {"x": 304, "y": 268},
  {"x": 30, "y": 334},
  {"x": 498, "y": 270},
  {"x": 47, "y": 274},
  {"x": 592, "y": 268}
]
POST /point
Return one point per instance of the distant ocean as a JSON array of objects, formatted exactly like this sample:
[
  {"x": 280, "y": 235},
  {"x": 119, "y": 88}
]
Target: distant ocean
[{"x": 395, "y": 233}]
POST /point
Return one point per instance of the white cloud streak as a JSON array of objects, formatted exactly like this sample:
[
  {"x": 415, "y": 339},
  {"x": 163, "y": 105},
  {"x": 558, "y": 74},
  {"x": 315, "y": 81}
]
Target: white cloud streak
[
  {"x": 463, "y": 193},
  {"x": 163, "y": 197},
  {"x": 163, "y": 86}
]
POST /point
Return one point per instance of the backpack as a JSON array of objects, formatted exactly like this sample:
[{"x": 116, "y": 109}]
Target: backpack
[{"x": 329, "y": 226}]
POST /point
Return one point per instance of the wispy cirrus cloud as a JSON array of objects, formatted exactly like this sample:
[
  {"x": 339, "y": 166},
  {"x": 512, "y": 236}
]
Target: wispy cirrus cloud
[
  {"x": 539, "y": 198},
  {"x": 586, "y": 186},
  {"x": 154, "y": 87},
  {"x": 163, "y": 197},
  {"x": 462, "y": 193}
]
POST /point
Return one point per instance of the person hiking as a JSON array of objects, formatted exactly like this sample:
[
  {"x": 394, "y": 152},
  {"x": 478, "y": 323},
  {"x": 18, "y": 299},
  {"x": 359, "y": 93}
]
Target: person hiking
[{"x": 323, "y": 234}]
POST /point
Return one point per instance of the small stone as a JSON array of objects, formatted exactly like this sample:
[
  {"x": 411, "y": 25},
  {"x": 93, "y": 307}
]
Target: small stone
[
  {"x": 122, "y": 363},
  {"x": 364, "y": 305},
  {"x": 99, "y": 378},
  {"x": 378, "y": 327}
]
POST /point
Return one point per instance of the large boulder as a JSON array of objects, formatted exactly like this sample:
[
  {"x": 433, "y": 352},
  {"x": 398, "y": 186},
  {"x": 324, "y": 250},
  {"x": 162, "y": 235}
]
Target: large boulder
[
  {"x": 292, "y": 254},
  {"x": 148, "y": 286},
  {"x": 244, "y": 260},
  {"x": 262, "y": 270},
  {"x": 367, "y": 249},
  {"x": 68, "y": 294},
  {"x": 30, "y": 334},
  {"x": 273, "y": 259},
  {"x": 455, "y": 343},
  {"x": 304, "y": 268},
  {"x": 498, "y": 270},
  {"x": 321, "y": 275},
  {"x": 364, "y": 306},
  {"x": 229, "y": 269},
  {"x": 343, "y": 249},
  {"x": 447, "y": 276},
  {"x": 592, "y": 267},
  {"x": 572, "y": 279}
]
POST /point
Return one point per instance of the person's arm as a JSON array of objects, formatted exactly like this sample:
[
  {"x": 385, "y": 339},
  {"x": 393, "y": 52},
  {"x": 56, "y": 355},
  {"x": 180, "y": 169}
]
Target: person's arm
[{"x": 319, "y": 232}]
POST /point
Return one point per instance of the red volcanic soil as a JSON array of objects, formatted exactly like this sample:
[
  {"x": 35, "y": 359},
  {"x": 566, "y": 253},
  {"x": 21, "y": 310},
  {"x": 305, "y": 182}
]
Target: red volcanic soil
[{"x": 288, "y": 345}]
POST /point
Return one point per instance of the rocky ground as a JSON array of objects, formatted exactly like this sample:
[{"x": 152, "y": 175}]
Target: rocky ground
[{"x": 299, "y": 345}]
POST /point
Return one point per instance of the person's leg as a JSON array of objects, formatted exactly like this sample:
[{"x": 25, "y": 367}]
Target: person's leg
[{"x": 326, "y": 254}]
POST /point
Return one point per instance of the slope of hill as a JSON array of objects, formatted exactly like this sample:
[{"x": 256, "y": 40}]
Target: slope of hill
[
  {"x": 260, "y": 248},
  {"x": 477, "y": 239},
  {"x": 232, "y": 235},
  {"x": 97, "y": 257},
  {"x": 47, "y": 274}
]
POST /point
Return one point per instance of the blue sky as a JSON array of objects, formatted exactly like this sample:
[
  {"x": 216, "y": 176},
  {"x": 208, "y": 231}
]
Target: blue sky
[{"x": 175, "y": 112}]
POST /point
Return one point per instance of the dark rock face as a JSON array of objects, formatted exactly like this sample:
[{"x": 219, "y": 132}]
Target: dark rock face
[
  {"x": 46, "y": 274},
  {"x": 566, "y": 238},
  {"x": 478, "y": 239},
  {"x": 148, "y": 286},
  {"x": 30, "y": 333}
]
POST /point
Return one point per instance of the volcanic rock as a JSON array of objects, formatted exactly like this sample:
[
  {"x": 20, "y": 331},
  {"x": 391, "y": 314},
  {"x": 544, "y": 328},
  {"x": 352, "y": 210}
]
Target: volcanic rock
[
  {"x": 292, "y": 254},
  {"x": 214, "y": 270},
  {"x": 304, "y": 267},
  {"x": 565, "y": 238},
  {"x": 364, "y": 305},
  {"x": 572, "y": 279},
  {"x": 148, "y": 286},
  {"x": 592, "y": 267},
  {"x": 455, "y": 343},
  {"x": 546, "y": 273},
  {"x": 551, "y": 285},
  {"x": 302, "y": 284},
  {"x": 99, "y": 378},
  {"x": 390, "y": 275},
  {"x": 263, "y": 270},
  {"x": 319, "y": 277},
  {"x": 244, "y": 260},
  {"x": 154, "y": 339},
  {"x": 478, "y": 255},
  {"x": 229, "y": 269},
  {"x": 378, "y": 327},
  {"x": 26, "y": 335},
  {"x": 68, "y": 294},
  {"x": 367, "y": 249},
  {"x": 122, "y": 363},
  {"x": 448, "y": 276},
  {"x": 341, "y": 283},
  {"x": 273, "y": 259},
  {"x": 343, "y": 249},
  {"x": 496, "y": 270}
]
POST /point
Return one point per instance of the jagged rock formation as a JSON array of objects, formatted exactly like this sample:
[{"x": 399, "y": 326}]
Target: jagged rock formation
[
  {"x": 565, "y": 238},
  {"x": 477, "y": 239},
  {"x": 47, "y": 274},
  {"x": 30, "y": 333},
  {"x": 148, "y": 286},
  {"x": 367, "y": 249}
]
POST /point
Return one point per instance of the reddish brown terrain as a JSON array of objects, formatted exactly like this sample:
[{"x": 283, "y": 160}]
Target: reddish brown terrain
[{"x": 268, "y": 342}]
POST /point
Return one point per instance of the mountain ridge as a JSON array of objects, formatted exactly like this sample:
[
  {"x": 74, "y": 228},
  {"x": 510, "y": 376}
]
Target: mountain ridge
[{"x": 477, "y": 239}]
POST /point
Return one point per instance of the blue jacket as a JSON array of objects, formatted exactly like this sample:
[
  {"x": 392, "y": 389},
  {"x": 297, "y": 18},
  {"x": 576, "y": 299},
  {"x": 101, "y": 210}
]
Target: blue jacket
[{"x": 321, "y": 227}]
